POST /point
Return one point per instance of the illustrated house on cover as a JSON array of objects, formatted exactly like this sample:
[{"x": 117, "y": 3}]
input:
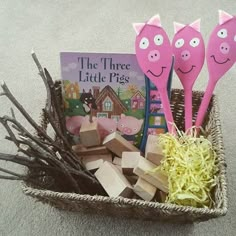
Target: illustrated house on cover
[
  {"x": 72, "y": 91},
  {"x": 108, "y": 103},
  {"x": 137, "y": 101}
]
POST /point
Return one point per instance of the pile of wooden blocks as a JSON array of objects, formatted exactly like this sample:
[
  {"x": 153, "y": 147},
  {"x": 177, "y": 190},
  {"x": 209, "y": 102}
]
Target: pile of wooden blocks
[{"x": 120, "y": 167}]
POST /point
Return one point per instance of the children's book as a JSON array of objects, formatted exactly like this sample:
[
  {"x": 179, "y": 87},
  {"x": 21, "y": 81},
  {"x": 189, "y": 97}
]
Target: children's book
[{"x": 114, "y": 91}]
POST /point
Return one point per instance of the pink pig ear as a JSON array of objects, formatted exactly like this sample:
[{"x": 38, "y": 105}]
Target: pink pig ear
[
  {"x": 178, "y": 27},
  {"x": 138, "y": 27},
  {"x": 224, "y": 17},
  {"x": 196, "y": 25},
  {"x": 155, "y": 20}
]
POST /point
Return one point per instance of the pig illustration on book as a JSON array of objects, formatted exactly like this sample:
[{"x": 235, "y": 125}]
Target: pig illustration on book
[
  {"x": 155, "y": 95},
  {"x": 74, "y": 123},
  {"x": 129, "y": 126},
  {"x": 106, "y": 126},
  {"x": 189, "y": 51},
  {"x": 88, "y": 101}
]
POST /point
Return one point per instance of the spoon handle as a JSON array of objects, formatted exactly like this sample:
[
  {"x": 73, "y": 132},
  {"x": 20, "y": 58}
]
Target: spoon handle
[
  {"x": 167, "y": 110},
  {"x": 205, "y": 103},
  {"x": 188, "y": 108}
]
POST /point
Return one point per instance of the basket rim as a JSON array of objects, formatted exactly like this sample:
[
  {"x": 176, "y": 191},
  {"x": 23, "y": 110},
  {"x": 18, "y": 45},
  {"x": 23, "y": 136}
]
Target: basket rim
[
  {"x": 217, "y": 211},
  {"x": 123, "y": 201}
]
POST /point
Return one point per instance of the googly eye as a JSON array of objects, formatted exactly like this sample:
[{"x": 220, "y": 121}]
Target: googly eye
[
  {"x": 222, "y": 33},
  {"x": 194, "y": 42},
  {"x": 122, "y": 125},
  {"x": 144, "y": 43},
  {"x": 179, "y": 43},
  {"x": 158, "y": 39},
  {"x": 235, "y": 38}
]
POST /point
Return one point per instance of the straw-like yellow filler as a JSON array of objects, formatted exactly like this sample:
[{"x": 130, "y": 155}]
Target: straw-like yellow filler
[{"x": 190, "y": 164}]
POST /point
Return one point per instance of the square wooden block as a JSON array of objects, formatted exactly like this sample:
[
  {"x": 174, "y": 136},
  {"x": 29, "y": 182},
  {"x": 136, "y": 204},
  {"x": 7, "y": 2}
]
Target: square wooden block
[
  {"x": 129, "y": 161},
  {"x": 143, "y": 170},
  {"x": 117, "y": 161},
  {"x": 144, "y": 189},
  {"x": 153, "y": 151},
  {"x": 93, "y": 162},
  {"x": 84, "y": 151},
  {"x": 117, "y": 144},
  {"x": 89, "y": 134},
  {"x": 113, "y": 181}
]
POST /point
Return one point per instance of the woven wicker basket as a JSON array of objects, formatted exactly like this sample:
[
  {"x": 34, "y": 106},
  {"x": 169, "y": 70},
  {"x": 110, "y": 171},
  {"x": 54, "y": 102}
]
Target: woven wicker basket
[{"x": 133, "y": 208}]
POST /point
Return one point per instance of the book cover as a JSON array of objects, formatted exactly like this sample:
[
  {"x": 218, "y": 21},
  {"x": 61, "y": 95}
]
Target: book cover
[{"x": 114, "y": 91}]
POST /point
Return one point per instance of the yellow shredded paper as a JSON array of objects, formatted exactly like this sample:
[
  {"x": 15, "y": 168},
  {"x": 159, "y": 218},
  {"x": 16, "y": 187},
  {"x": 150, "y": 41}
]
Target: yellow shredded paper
[{"x": 190, "y": 164}]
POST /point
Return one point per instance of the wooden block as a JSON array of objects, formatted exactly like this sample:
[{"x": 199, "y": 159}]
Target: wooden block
[
  {"x": 83, "y": 151},
  {"x": 113, "y": 181},
  {"x": 163, "y": 196},
  {"x": 157, "y": 179},
  {"x": 129, "y": 161},
  {"x": 92, "y": 163},
  {"x": 89, "y": 134},
  {"x": 117, "y": 144},
  {"x": 153, "y": 151},
  {"x": 117, "y": 161},
  {"x": 119, "y": 168},
  {"x": 144, "y": 189},
  {"x": 132, "y": 179},
  {"x": 136, "y": 197}
]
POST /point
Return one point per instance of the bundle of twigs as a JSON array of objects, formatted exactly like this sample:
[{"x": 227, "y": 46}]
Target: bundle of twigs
[{"x": 51, "y": 162}]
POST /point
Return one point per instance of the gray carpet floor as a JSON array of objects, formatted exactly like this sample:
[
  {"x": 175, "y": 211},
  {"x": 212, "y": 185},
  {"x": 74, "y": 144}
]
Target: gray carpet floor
[{"x": 96, "y": 26}]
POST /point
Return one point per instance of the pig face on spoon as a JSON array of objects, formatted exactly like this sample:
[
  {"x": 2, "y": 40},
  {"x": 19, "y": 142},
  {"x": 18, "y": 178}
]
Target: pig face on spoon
[
  {"x": 153, "y": 51},
  {"x": 189, "y": 51},
  {"x": 221, "y": 49}
]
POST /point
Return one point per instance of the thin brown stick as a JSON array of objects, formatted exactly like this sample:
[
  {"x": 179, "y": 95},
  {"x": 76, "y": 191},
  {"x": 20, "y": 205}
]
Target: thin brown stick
[
  {"x": 43, "y": 154},
  {"x": 26, "y": 133},
  {"x": 12, "y": 177},
  {"x": 10, "y": 172},
  {"x": 10, "y": 96},
  {"x": 42, "y": 75}
]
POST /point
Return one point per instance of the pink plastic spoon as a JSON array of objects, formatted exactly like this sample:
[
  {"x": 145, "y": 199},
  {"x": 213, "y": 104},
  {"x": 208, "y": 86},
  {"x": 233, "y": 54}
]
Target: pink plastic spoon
[
  {"x": 154, "y": 55},
  {"x": 189, "y": 51},
  {"x": 220, "y": 56}
]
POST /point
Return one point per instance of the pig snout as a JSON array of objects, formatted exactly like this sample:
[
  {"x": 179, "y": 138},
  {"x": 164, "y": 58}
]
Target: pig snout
[
  {"x": 153, "y": 56},
  {"x": 224, "y": 48},
  {"x": 127, "y": 130},
  {"x": 185, "y": 55}
]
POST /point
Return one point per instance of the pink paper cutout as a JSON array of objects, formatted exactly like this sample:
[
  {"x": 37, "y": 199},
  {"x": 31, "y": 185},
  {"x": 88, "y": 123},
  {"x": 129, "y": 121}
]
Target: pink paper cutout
[
  {"x": 154, "y": 55},
  {"x": 155, "y": 20},
  {"x": 138, "y": 27},
  {"x": 189, "y": 51},
  {"x": 224, "y": 17},
  {"x": 196, "y": 25},
  {"x": 220, "y": 56},
  {"x": 178, "y": 27}
]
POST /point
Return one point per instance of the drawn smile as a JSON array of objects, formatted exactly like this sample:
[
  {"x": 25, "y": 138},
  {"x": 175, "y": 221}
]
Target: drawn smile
[
  {"x": 162, "y": 69},
  {"x": 186, "y": 72},
  {"x": 220, "y": 62}
]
